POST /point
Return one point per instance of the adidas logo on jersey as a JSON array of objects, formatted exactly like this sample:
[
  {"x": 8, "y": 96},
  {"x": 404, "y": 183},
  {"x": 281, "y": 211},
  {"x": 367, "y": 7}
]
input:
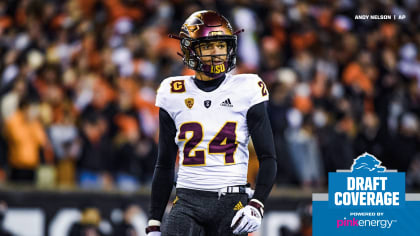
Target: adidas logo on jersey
[
  {"x": 238, "y": 206},
  {"x": 226, "y": 103}
]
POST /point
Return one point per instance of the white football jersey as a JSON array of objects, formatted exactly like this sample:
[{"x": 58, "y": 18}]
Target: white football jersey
[{"x": 212, "y": 132}]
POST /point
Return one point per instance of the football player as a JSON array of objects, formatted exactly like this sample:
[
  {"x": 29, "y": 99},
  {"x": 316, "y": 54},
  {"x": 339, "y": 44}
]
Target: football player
[{"x": 209, "y": 119}]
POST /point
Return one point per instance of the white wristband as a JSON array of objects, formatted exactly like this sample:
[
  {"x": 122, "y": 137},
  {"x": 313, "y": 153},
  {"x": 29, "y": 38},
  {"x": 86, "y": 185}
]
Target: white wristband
[{"x": 154, "y": 223}]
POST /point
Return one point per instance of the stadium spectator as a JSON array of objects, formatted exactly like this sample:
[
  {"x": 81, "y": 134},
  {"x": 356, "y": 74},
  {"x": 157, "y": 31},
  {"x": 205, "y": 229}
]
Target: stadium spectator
[
  {"x": 28, "y": 142},
  {"x": 278, "y": 108},
  {"x": 94, "y": 163},
  {"x": 125, "y": 227},
  {"x": 305, "y": 153},
  {"x": 88, "y": 223},
  {"x": 65, "y": 139}
]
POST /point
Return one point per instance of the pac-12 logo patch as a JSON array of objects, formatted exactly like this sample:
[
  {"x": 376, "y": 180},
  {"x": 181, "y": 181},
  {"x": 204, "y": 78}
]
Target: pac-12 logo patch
[
  {"x": 177, "y": 86},
  {"x": 207, "y": 103},
  {"x": 189, "y": 102},
  {"x": 367, "y": 163}
]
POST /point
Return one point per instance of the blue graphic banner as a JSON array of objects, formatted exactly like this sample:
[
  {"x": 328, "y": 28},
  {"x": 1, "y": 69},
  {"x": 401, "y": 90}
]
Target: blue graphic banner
[{"x": 366, "y": 200}]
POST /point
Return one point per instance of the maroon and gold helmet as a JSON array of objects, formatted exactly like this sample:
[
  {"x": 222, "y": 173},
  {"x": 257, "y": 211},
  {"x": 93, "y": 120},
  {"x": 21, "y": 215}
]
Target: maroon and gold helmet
[{"x": 205, "y": 26}]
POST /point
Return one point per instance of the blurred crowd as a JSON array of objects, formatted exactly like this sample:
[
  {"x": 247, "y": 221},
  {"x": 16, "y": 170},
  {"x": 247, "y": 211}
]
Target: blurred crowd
[
  {"x": 87, "y": 220},
  {"x": 78, "y": 80}
]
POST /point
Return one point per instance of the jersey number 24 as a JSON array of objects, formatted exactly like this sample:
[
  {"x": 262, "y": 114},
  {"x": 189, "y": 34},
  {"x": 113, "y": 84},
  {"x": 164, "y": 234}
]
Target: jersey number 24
[{"x": 224, "y": 142}]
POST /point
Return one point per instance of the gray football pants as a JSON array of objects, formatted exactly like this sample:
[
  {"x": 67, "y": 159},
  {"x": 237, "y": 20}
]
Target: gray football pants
[{"x": 202, "y": 213}]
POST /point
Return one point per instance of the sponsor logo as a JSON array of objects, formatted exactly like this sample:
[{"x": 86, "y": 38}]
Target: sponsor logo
[
  {"x": 175, "y": 200},
  {"x": 238, "y": 206},
  {"x": 226, "y": 103},
  {"x": 381, "y": 223},
  {"x": 367, "y": 163}
]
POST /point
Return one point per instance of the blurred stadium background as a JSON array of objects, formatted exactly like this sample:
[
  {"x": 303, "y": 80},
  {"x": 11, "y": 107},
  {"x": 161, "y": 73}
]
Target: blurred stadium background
[{"x": 79, "y": 128}]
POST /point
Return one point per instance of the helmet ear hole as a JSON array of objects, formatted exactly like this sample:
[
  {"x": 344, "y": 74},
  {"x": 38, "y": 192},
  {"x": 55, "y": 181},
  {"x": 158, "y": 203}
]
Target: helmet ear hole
[
  {"x": 192, "y": 63},
  {"x": 186, "y": 42}
]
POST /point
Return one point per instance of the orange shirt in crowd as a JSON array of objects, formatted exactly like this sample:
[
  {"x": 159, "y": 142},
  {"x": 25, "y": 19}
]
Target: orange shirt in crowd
[
  {"x": 354, "y": 74},
  {"x": 118, "y": 10},
  {"x": 25, "y": 140}
]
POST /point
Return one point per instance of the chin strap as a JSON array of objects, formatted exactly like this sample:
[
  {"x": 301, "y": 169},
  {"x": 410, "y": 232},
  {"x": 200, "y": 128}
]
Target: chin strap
[{"x": 174, "y": 36}]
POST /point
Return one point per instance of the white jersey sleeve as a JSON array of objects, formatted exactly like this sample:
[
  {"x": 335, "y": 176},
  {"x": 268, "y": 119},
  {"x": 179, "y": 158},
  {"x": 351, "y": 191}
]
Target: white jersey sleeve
[
  {"x": 161, "y": 96},
  {"x": 168, "y": 94},
  {"x": 257, "y": 89}
]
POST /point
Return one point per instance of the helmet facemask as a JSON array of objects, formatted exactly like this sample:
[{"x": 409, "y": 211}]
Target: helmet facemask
[{"x": 210, "y": 65}]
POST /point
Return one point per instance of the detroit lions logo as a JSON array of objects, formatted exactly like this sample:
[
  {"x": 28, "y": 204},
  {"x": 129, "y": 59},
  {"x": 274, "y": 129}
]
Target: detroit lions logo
[{"x": 367, "y": 163}]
